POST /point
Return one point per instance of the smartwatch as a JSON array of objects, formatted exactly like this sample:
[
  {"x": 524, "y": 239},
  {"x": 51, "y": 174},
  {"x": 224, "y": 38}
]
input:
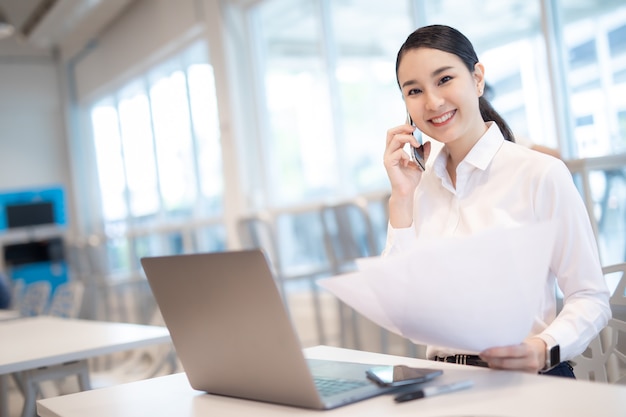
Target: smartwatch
[{"x": 553, "y": 357}]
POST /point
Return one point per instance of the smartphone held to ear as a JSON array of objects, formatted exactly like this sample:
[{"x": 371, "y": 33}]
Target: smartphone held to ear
[
  {"x": 417, "y": 153},
  {"x": 399, "y": 375},
  {"x": 418, "y": 156}
]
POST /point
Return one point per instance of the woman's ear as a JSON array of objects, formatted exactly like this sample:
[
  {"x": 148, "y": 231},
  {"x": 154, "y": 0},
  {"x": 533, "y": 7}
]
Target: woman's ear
[{"x": 479, "y": 77}]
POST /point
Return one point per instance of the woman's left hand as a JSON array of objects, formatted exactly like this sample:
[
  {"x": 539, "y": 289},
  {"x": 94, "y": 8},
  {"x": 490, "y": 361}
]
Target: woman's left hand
[{"x": 529, "y": 356}]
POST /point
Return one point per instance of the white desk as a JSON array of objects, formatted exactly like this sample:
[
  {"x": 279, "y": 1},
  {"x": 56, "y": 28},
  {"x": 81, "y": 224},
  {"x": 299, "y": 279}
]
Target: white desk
[
  {"x": 495, "y": 393},
  {"x": 9, "y": 315},
  {"x": 47, "y": 343}
]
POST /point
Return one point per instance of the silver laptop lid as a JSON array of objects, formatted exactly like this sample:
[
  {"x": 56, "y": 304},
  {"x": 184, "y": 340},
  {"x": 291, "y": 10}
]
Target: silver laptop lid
[{"x": 230, "y": 328}]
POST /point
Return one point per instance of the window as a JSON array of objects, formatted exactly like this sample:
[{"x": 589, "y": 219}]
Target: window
[
  {"x": 330, "y": 91},
  {"x": 594, "y": 37},
  {"x": 367, "y": 37},
  {"x": 322, "y": 83},
  {"x": 159, "y": 161},
  {"x": 594, "y": 33},
  {"x": 511, "y": 46},
  {"x": 327, "y": 88}
]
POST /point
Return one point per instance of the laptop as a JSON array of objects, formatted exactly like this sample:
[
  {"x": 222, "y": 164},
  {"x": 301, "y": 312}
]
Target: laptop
[{"x": 234, "y": 337}]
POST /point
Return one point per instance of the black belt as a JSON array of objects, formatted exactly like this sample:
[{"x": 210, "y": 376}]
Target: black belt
[{"x": 473, "y": 360}]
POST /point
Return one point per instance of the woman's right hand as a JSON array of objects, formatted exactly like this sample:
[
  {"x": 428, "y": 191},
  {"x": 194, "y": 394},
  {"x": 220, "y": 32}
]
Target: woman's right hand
[{"x": 404, "y": 173}]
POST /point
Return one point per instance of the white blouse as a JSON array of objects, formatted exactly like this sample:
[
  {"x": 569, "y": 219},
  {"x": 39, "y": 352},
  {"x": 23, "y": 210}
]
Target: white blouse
[{"x": 502, "y": 184}]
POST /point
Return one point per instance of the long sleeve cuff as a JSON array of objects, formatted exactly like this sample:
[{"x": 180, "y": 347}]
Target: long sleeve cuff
[{"x": 398, "y": 240}]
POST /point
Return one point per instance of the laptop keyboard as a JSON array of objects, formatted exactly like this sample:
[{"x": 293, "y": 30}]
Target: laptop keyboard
[{"x": 333, "y": 386}]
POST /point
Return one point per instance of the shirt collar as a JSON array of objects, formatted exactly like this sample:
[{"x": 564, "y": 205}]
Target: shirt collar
[
  {"x": 480, "y": 156},
  {"x": 486, "y": 148}
]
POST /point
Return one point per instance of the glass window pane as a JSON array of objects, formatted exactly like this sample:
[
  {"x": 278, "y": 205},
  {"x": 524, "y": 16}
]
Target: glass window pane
[
  {"x": 206, "y": 129},
  {"x": 512, "y": 48},
  {"x": 139, "y": 160},
  {"x": 368, "y": 35},
  {"x": 205, "y": 121},
  {"x": 108, "y": 146},
  {"x": 158, "y": 244},
  {"x": 593, "y": 33},
  {"x": 210, "y": 238},
  {"x": 174, "y": 146},
  {"x": 159, "y": 156},
  {"x": 301, "y": 154},
  {"x": 118, "y": 255}
]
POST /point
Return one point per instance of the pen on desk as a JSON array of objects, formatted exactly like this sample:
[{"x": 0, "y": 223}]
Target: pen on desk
[{"x": 434, "y": 390}]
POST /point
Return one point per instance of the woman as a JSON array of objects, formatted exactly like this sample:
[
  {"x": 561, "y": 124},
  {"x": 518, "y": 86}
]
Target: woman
[{"x": 477, "y": 178}]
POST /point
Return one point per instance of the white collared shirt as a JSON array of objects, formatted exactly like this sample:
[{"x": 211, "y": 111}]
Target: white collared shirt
[{"x": 502, "y": 184}]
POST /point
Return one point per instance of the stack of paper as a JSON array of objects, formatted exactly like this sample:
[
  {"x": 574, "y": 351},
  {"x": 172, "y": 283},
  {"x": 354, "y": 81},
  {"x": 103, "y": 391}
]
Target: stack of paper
[{"x": 467, "y": 293}]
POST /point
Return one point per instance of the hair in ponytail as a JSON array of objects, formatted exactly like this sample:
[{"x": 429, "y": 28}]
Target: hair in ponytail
[
  {"x": 489, "y": 113},
  {"x": 447, "y": 39}
]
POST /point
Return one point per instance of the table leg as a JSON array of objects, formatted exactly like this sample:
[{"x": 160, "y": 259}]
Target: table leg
[
  {"x": 30, "y": 397},
  {"x": 4, "y": 395},
  {"x": 31, "y": 378}
]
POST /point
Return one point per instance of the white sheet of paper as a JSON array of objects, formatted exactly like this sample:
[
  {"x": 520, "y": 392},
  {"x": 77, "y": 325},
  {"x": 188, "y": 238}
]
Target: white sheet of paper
[{"x": 467, "y": 293}]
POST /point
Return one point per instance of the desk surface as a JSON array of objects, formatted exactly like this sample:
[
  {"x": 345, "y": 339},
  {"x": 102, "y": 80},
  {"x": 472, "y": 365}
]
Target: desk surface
[
  {"x": 30, "y": 343},
  {"x": 9, "y": 314},
  {"x": 495, "y": 393}
]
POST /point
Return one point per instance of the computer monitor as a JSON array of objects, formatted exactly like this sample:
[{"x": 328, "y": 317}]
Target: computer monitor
[{"x": 30, "y": 214}]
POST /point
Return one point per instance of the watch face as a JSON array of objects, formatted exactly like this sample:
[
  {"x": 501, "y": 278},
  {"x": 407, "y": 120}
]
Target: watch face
[{"x": 555, "y": 355}]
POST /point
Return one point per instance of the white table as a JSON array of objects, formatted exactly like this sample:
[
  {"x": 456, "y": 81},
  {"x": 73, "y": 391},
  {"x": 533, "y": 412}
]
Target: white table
[
  {"x": 9, "y": 315},
  {"x": 38, "y": 347},
  {"x": 495, "y": 393}
]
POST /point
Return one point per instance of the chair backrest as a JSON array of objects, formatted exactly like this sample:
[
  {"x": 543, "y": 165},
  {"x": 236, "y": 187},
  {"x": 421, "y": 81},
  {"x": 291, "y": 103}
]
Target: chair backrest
[
  {"x": 605, "y": 358},
  {"x": 614, "y": 344},
  {"x": 615, "y": 277},
  {"x": 378, "y": 210},
  {"x": 350, "y": 232},
  {"x": 257, "y": 232},
  {"x": 591, "y": 364},
  {"x": 35, "y": 300},
  {"x": 614, "y": 340},
  {"x": 17, "y": 293},
  {"x": 67, "y": 300}
]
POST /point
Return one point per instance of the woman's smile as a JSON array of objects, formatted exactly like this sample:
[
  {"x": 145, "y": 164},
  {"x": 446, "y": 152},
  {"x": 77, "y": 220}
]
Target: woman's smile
[{"x": 443, "y": 119}]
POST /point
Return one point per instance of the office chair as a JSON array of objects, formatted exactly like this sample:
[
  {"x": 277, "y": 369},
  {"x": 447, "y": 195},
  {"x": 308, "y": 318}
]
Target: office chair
[
  {"x": 605, "y": 358},
  {"x": 67, "y": 300},
  {"x": 35, "y": 299},
  {"x": 262, "y": 231}
]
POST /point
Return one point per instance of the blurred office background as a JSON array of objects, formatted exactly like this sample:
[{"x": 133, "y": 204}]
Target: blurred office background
[{"x": 178, "y": 126}]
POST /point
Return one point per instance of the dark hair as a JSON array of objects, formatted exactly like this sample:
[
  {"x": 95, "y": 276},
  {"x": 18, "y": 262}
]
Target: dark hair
[{"x": 447, "y": 39}]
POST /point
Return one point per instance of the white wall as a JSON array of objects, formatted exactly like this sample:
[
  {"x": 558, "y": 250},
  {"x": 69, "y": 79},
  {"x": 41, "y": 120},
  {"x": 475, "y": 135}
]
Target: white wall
[
  {"x": 148, "y": 27},
  {"x": 33, "y": 150}
]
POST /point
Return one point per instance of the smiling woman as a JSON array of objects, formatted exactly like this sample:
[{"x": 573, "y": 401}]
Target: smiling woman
[
  {"x": 444, "y": 70},
  {"x": 480, "y": 180}
]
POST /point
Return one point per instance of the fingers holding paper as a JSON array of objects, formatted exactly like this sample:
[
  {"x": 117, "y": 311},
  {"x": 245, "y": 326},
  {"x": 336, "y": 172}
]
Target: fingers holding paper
[{"x": 528, "y": 356}]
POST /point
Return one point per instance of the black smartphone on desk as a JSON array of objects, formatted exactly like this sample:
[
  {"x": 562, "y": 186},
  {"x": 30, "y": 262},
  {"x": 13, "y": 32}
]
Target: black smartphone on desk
[{"x": 398, "y": 375}]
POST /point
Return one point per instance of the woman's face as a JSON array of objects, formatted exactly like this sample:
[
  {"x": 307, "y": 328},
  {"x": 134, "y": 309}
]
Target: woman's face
[{"x": 442, "y": 95}]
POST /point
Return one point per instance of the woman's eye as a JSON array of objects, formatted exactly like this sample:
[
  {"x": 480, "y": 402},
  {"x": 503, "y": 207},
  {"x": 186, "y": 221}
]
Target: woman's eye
[
  {"x": 445, "y": 79},
  {"x": 413, "y": 91}
]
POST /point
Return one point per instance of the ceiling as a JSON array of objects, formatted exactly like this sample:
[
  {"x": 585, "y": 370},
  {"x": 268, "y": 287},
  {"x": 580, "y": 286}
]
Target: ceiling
[{"x": 50, "y": 24}]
